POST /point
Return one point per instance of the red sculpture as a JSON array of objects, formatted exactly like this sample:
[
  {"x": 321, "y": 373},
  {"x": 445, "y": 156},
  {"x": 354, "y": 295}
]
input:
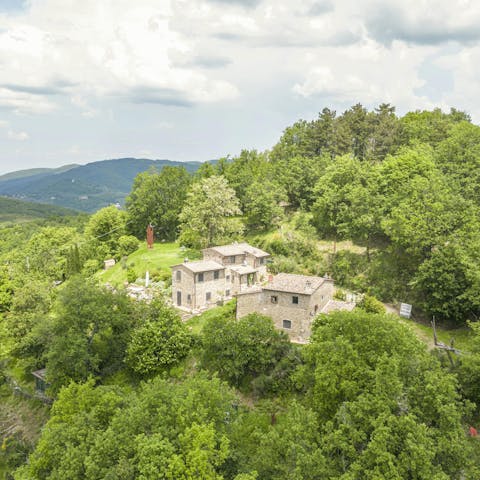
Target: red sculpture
[
  {"x": 150, "y": 236},
  {"x": 473, "y": 432}
]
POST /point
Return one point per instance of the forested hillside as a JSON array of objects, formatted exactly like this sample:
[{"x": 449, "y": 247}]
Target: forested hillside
[
  {"x": 16, "y": 211},
  {"x": 387, "y": 205},
  {"x": 82, "y": 187}
]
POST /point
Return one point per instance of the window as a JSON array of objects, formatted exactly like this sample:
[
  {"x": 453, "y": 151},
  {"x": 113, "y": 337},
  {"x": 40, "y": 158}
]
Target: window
[
  {"x": 179, "y": 275},
  {"x": 227, "y": 293},
  {"x": 261, "y": 261},
  {"x": 227, "y": 278},
  {"x": 232, "y": 259},
  {"x": 287, "y": 324},
  {"x": 295, "y": 300},
  {"x": 208, "y": 296},
  {"x": 216, "y": 274},
  {"x": 189, "y": 298},
  {"x": 274, "y": 299},
  {"x": 200, "y": 277}
]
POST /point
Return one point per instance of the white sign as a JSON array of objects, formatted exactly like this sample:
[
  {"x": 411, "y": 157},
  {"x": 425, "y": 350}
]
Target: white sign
[{"x": 405, "y": 310}]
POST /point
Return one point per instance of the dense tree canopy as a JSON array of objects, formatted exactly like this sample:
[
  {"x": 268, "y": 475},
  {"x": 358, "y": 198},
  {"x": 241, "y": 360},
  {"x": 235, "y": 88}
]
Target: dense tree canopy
[
  {"x": 377, "y": 416},
  {"x": 209, "y": 214},
  {"x": 388, "y": 205},
  {"x": 163, "y": 430},
  {"x": 247, "y": 350},
  {"x": 157, "y": 198},
  {"x": 159, "y": 341}
]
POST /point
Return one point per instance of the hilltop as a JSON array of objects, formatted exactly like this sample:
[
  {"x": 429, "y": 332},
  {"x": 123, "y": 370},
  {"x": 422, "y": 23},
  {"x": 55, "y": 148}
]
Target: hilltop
[{"x": 82, "y": 187}]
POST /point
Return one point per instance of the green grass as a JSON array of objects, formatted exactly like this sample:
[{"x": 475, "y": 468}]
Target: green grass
[
  {"x": 461, "y": 336},
  {"x": 160, "y": 258},
  {"x": 198, "y": 322}
]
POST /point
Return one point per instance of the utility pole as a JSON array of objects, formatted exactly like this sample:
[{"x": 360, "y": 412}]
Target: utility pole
[{"x": 448, "y": 348}]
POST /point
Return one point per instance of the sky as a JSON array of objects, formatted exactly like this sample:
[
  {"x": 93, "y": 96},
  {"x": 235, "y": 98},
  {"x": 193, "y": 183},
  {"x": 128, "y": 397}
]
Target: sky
[{"x": 88, "y": 80}]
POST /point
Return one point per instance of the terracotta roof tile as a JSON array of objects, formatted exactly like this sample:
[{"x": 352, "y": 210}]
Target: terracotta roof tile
[{"x": 289, "y": 282}]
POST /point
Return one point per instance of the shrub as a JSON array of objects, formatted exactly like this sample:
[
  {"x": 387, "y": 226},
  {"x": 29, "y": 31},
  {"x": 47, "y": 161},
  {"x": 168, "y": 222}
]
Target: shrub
[
  {"x": 283, "y": 264},
  {"x": 126, "y": 245},
  {"x": 340, "y": 294},
  {"x": 278, "y": 246},
  {"x": 91, "y": 266},
  {"x": 302, "y": 221},
  {"x": 131, "y": 275},
  {"x": 371, "y": 305},
  {"x": 346, "y": 266}
]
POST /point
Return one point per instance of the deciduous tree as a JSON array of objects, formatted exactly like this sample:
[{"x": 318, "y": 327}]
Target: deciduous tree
[
  {"x": 209, "y": 214},
  {"x": 157, "y": 198},
  {"x": 160, "y": 340}
]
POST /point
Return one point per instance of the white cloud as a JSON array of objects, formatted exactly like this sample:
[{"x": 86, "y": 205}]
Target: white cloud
[
  {"x": 368, "y": 73},
  {"x": 83, "y": 105},
  {"x": 184, "y": 52},
  {"x": 424, "y": 22},
  {"x": 23, "y": 102},
  {"x": 74, "y": 150},
  {"x": 135, "y": 69},
  {"x": 96, "y": 49},
  {"x": 465, "y": 68},
  {"x": 18, "y": 136}
]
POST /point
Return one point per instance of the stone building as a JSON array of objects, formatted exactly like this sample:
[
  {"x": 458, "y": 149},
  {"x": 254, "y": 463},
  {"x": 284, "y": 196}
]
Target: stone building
[
  {"x": 224, "y": 271},
  {"x": 197, "y": 285},
  {"x": 292, "y": 301},
  {"x": 247, "y": 264}
]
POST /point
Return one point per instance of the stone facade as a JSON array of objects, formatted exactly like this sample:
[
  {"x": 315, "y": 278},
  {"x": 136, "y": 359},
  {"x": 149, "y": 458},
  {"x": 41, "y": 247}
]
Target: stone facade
[
  {"x": 292, "y": 301},
  {"x": 239, "y": 254},
  {"x": 224, "y": 271},
  {"x": 198, "y": 285}
]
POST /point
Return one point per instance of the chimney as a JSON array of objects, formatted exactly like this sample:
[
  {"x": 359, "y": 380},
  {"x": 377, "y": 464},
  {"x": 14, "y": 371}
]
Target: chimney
[
  {"x": 308, "y": 285},
  {"x": 186, "y": 260}
]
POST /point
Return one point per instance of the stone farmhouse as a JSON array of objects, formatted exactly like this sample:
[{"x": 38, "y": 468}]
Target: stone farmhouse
[
  {"x": 292, "y": 301},
  {"x": 240, "y": 270},
  {"x": 224, "y": 272}
]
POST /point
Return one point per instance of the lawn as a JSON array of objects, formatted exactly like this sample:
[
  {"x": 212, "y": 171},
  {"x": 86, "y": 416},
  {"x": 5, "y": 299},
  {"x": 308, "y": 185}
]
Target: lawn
[{"x": 155, "y": 260}]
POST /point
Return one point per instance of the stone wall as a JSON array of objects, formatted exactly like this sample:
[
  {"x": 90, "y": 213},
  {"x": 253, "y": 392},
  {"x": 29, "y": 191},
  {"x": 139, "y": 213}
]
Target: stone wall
[
  {"x": 321, "y": 296},
  {"x": 210, "y": 254},
  {"x": 216, "y": 288},
  {"x": 298, "y": 316},
  {"x": 185, "y": 286},
  {"x": 280, "y": 309},
  {"x": 197, "y": 290}
]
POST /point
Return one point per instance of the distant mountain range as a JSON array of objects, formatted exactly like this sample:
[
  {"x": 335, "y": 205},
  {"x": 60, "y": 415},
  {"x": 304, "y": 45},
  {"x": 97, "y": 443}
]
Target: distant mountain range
[
  {"x": 19, "y": 211},
  {"x": 82, "y": 187}
]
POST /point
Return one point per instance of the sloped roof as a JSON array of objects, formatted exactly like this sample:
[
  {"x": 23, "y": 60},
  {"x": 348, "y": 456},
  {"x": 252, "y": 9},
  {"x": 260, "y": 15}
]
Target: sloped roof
[
  {"x": 289, "y": 282},
  {"x": 201, "y": 266},
  {"x": 243, "y": 269},
  {"x": 238, "y": 249},
  {"x": 253, "y": 250},
  {"x": 335, "y": 305}
]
